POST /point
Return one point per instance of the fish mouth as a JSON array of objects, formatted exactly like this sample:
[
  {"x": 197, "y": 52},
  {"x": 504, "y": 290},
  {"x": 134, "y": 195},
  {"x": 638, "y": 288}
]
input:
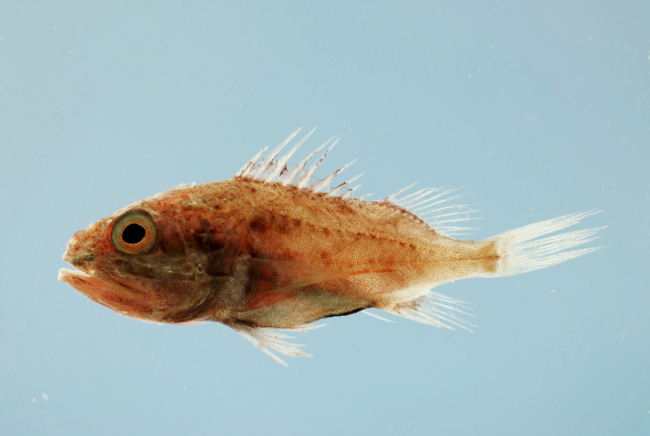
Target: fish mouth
[
  {"x": 88, "y": 285},
  {"x": 81, "y": 281},
  {"x": 101, "y": 286},
  {"x": 110, "y": 295},
  {"x": 85, "y": 279}
]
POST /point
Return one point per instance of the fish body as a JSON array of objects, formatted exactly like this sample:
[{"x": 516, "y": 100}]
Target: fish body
[{"x": 275, "y": 248}]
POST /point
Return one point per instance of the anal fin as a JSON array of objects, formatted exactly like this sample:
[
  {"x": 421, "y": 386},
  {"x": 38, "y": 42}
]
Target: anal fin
[{"x": 431, "y": 308}]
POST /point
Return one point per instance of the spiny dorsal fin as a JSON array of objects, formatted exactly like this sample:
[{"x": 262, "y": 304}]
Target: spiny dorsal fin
[{"x": 274, "y": 169}]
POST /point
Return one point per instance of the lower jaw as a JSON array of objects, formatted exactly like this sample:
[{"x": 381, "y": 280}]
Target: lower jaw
[{"x": 104, "y": 294}]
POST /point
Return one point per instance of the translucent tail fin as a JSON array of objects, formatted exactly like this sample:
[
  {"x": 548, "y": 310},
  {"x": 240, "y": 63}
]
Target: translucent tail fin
[{"x": 521, "y": 250}]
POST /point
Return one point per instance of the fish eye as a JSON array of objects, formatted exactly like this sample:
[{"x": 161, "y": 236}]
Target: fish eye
[{"x": 134, "y": 232}]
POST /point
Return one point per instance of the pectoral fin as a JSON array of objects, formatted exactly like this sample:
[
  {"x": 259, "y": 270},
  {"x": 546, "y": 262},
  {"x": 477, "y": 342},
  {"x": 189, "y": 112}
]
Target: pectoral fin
[{"x": 272, "y": 281}]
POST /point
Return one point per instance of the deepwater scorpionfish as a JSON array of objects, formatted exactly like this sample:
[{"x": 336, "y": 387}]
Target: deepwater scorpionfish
[{"x": 276, "y": 248}]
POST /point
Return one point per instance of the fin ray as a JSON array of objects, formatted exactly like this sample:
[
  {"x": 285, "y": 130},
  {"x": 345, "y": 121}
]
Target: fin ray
[
  {"x": 522, "y": 251},
  {"x": 267, "y": 339},
  {"x": 431, "y": 205},
  {"x": 273, "y": 169},
  {"x": 427, "y": 307}
]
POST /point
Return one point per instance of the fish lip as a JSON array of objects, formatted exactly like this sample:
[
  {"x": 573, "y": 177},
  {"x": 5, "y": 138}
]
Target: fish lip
[
  {"x": 94, "y": 282},
  {"x": 84, "y": 283},
  {"x": 66, "y": 272},
  {"x": 94, "y": 288}
]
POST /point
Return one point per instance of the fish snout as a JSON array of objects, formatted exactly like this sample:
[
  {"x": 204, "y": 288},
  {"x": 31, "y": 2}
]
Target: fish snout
[{"x": 76, "y": 253}]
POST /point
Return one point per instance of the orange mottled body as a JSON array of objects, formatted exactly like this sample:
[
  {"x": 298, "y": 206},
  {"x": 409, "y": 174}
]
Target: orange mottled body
[
  {"x": 266, "y": 249},
  {"x": 276, "y": 256},
  {"x": 369, "y": 249}
]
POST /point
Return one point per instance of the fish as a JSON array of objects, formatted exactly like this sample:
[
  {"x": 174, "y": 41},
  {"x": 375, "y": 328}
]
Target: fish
[{"x": 275, "y": 249}]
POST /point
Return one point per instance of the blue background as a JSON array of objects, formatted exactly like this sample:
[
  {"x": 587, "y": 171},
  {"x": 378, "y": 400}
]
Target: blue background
[{"x": 538, "y": 109}]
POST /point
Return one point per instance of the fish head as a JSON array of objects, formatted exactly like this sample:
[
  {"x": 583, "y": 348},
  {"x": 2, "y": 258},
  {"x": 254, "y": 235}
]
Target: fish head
[{"x": 142, "y": 263}]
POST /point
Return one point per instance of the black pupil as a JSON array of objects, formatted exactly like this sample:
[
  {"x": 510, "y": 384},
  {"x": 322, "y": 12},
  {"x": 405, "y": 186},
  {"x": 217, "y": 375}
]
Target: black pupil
[{"x": 133, "y": 234}]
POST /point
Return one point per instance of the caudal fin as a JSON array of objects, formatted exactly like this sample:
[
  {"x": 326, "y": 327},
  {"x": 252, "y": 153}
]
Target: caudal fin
[{"x": 520, "y": 250}]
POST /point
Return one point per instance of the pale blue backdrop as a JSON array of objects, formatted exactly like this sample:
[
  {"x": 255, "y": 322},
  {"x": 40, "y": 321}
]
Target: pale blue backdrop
[{"x": 538, "y": 108}]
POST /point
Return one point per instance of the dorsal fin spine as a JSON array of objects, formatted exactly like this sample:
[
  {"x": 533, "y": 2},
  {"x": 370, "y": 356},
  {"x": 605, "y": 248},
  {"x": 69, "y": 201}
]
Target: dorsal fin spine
[
  {"x": 364, "y": 196},
  {"x": 246, "y": 168},
  {"x": 349, "y": 192},
  {"x": 287, "y": 177},
  {"x": 274, "y": 169},
  {"x": 268, "y": 162},
  {"x": 282, "y": 163},
  {"x": 344, "y": 185},
  {"x": 326, "y": 181},
  {"x": 310, "y": 172}
]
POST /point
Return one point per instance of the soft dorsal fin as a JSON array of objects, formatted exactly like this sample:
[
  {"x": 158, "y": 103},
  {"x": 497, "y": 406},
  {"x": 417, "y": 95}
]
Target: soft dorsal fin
[{"x": 432, "y": 206}]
